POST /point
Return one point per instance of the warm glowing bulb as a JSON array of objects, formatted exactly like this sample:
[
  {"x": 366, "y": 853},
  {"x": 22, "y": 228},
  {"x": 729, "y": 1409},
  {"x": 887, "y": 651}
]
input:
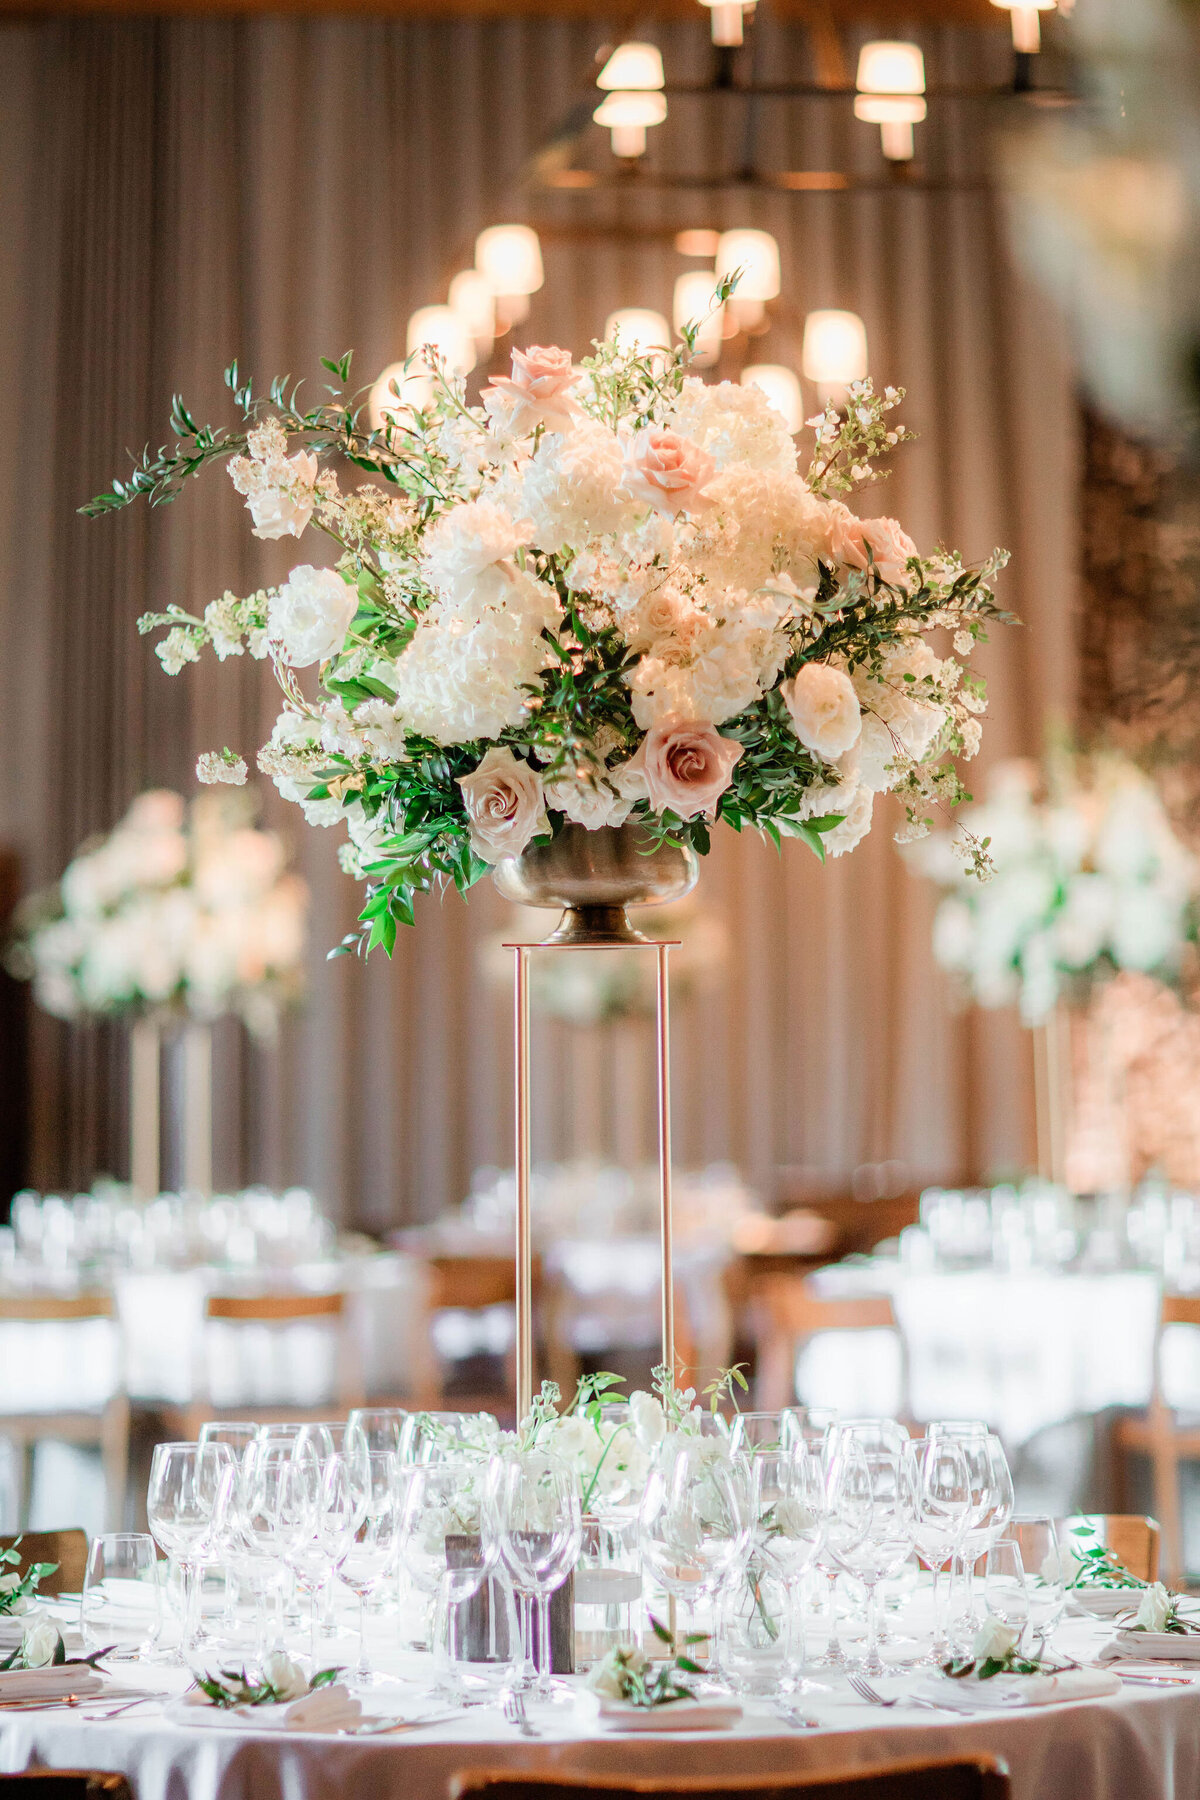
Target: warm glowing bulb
[
  {"x": 475, "y": 304},
  {"x": 632, "y": 66},
  {"x": 385, "y": 406},
  {"x": 627, "y": 115},
  {"x": 440, "y": 328},
  {"x": 834, "y": 352},
  {"x": 782, "y": 389},
  {"x": 692, "y": 304},
  {"x": 698, "y": 240},
  {"x": 756, "y": 254},
  {"x": 637, "y": 328},
  {"x": 510, "y": 258},
  {"x": 891, "y": 83},
  {"x": 727, "y": 21},
  {"x": 1026, "y": 26}
]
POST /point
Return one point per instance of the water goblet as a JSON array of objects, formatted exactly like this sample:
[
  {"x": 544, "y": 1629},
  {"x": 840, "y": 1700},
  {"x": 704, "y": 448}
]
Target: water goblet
[
  {"x": 752, "y": 1432},
  {"x": 448, "y": 1437},
  {"x": 943, "y": 1500},
  {"x": 1005, "y": 1588},
  {"x": 871, "y": 1524},
  {"x": 694, "y": 1520},
  {"x": 787, "y": 1531}
]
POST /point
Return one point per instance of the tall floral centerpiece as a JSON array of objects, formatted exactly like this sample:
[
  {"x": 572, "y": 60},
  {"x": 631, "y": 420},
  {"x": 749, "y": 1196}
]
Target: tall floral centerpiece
[
  {"x": 608, "y": 596},
  {"x": 183, "y": 913},
  {"x": 1092, "y": 894}
]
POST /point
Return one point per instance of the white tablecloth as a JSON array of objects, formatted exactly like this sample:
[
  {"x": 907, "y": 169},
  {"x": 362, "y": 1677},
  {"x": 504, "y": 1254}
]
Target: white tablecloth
[
  {"x": 1022, "y": 1350},
  {"x": 1142, "y": 1745}
]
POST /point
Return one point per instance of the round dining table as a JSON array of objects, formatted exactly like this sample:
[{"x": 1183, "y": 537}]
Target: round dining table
[{"x": 1143, "y": 1743}]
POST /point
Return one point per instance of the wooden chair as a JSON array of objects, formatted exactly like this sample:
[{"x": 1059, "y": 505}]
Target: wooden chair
[
  {"x": 69, "y": 1549},
  {"x": 66, "y": 1784},
  {"x": 789, "y": 1314},
  {"x": 1158, "y": 1435},
  {"x": 470, "y": 1283},
  {"x": 1133, "y": 1539},
  {"x": 106, "y": 1427},
  {"x": 951, "y": 1778},
  {"x": 276, "y": 1312}
]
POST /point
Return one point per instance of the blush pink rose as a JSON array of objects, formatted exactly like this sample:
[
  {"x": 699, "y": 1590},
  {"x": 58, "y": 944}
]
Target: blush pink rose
[
  {"x": 686, "y": 765},
  {"x": 505, "y": 805},
  {"x": 538, "y": 392},
  {"x": 890, "y": 546},
  {"x": 668, "y": 472}
]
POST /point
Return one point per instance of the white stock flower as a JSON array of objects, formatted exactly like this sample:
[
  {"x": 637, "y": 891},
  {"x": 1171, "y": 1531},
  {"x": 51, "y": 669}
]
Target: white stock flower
[
  {"x": 286, "y": 1677},
  {"x": 220, "y": 767},
  {"x": 995, "y": 1640},
  {"x": 1154, "y": 1607},
  {"x": 824, "y": 709},
  {"x": 309, "y": 616}
]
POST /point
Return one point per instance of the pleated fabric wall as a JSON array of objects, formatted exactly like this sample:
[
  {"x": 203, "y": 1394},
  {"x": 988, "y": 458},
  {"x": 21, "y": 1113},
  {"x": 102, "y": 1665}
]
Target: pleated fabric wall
[{"x": 178, "y": 193}]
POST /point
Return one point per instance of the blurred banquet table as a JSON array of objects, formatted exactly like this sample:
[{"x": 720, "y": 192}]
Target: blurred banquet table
[{"x": 1144, "y": 1743}]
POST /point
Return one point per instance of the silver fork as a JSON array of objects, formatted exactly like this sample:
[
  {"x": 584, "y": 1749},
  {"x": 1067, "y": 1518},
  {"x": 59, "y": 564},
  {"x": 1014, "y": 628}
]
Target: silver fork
[
  {"x": 862, "y": 1687},
  {"x": 514, "y": 1712}
]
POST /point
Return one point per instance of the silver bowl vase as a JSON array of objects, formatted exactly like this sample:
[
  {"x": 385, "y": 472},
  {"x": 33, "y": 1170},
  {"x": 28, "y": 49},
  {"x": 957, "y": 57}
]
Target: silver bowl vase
[{"x": 593, "y": 876}]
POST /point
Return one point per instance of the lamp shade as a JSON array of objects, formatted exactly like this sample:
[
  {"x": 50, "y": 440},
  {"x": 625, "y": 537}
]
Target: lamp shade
[
  {"x": 510, "y": 259},
  {"x": 889, "y": 109},
  {"x": 440, "y": 328},
  {"x": 889, "y": 66},
  {"x": 637, "y": 328},
  {"x": 636, "y": 107},
  {"x": 637, "y": 66},
  {"x": 782, "y": 388},
  {"x": 416, "y": 389},
  {"x": 835, "y": 348},
  {"x": 693, "y": 301},
  {"x": 757, "y": 254},
  {"x": 472, "y": 299}
]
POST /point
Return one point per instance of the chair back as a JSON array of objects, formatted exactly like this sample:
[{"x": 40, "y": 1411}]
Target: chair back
[
  {"x": 38, "y": 1309},
  {"x": 69, "y": 1549},
  {"x": 1175, "y": 1309},
  {"x": 790, "y": 1313},
  {"x": 1133, "y": 1539},
  {"x": 274, "y": 1314},
  {"x": 66, "y": 1784},
  {"x": 275, "y": 1309},
  {"x": 978, "y": 1777}
]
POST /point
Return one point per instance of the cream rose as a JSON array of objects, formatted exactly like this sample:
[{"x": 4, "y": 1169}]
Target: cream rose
[
  {"x": 824, "y": 709},
  {"x": 1154, "y": 1608},
  {"x": 890, "y": 546},
  {"x": 995, "y": 1640},
  {"x": 505, "y": 804},
  {"x": 667, "y": 472},
  {"x": 40, "y": 1643},
  {"x": 286, "y": 1677},
  {"x": 538, "y": 392},
  {"x": 687, "y": 765}
]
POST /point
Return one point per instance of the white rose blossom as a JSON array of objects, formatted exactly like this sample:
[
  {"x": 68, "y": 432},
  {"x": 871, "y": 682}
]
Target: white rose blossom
[
  {"x": 995, "y": 1640},
  {"x": 309, "y": 616},
  {"x": 1154, "y": 1607}
]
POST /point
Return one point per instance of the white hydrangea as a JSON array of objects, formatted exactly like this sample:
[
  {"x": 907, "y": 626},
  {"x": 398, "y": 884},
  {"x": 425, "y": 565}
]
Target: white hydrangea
[
  {"x": 735, "y": 424},
  {"x": 587, "y": 799},
  {"x": 472, "y": 541},
  {"x": 718, "y": 663},
  {"x": 900, "y": 718},
  {"x": 763, "y": 521},
  {"x": 464, "y": 677},
  {"x": 571, "y": 489}
]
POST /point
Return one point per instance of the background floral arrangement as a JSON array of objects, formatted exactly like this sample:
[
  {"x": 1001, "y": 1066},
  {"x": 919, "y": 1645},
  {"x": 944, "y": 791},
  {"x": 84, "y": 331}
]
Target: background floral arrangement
[
  {"x": 605, "y": 593},
  {"x": 1089, "y": 879},
  {"x": 181, "y": 908}
]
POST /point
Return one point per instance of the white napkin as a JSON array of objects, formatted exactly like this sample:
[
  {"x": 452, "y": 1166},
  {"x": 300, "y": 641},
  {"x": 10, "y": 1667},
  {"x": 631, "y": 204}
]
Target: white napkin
[
  {"x": 48, "y": 1684},
  {"x": 329, "y": 1709},
  {"x": 999, "y": 1692},
  {"x": 1153, "y": 1646},
  {"x": 677, "y": 1715},
  {"x": 1102, "y": 1603}
]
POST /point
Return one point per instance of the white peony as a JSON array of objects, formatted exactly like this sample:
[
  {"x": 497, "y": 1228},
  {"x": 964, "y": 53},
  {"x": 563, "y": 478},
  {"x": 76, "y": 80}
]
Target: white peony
[
  {"x": 824, "y": 709},
  {"x": 283, "y": 507},
  {"x": 854, "y": 802},
  {"x": 309, "y": 616}
]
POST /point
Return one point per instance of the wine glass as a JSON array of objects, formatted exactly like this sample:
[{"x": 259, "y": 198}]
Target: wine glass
[
  {"x": 752, "y": 1432},
  {"x": 944, "y": 1499},
  {"x": 1036, "y": 1536},
  {"x": 379, "y": 1428},
  {"x": 262, "y": 1530},
  {"x": 872, "y": 1524},
  {"x": 184, "y": 1479},
  {"x": 371, "y": 1550},
  {"x": 239, "y": 1435},
  {"x": 1005, "y": 1587},
  {"x": 987, "y": 1498},
  {"x": 787, "y": 1533},
  {"x": 298, "y": 1502},
  {"x": 532, "y": 1517},
  {"x": 694, "y": 1520},
  {"x": 445, "y": 1548}
]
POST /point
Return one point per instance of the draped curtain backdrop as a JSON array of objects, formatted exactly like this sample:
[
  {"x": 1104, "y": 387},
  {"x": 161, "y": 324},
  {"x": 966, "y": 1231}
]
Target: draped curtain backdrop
[{"x": 177, "y": 193}]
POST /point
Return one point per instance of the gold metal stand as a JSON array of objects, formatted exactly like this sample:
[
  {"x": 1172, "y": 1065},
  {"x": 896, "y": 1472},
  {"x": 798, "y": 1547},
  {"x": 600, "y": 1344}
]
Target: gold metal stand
[{"x": 524, "y": 1234}]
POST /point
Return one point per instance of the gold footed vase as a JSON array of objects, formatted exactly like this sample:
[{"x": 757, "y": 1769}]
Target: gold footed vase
[{"x": 593, "y": 876}]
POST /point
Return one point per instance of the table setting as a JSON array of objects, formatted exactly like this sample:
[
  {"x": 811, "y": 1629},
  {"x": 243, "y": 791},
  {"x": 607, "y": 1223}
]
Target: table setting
[{"x": 311, "y": 1596}]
